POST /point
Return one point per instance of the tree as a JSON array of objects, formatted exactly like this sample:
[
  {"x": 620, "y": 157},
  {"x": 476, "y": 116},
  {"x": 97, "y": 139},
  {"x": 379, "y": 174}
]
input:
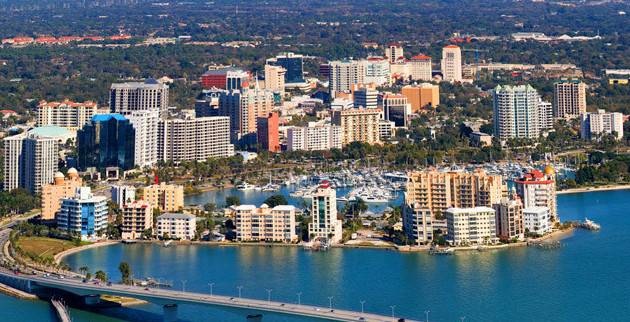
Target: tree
[
  {"x": 232, "y": 201},
  {"x": 210, "y": 207},
  {"x": 125, "y": 272},
  {"x": 276, "y": 200},
  {"x": 84, "y": 270},
  {"x": 101, "y": 276}
]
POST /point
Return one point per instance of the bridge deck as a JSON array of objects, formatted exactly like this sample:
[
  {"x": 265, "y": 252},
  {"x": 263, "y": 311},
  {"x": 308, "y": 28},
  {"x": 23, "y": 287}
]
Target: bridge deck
[{"x": 164, "y": 296}]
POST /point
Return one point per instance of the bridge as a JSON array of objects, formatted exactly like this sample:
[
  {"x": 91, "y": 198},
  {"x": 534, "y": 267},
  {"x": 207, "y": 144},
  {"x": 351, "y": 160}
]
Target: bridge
[{"x": 169, "y": 299}]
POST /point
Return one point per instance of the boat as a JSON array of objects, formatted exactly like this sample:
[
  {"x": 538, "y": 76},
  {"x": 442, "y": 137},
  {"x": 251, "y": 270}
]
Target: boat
[
  {"x": 442, "y": 251},
  {"x": 167, "y": 243},
  {"x": 270, "y": 187},
  {"x": 245, "y": 186},
  {"x": 590, "y": 225}
]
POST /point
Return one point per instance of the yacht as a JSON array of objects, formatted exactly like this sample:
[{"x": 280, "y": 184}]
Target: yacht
[{"x": 245, "y": 186}]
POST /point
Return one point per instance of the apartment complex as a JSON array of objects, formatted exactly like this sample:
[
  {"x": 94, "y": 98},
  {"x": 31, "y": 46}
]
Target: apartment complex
[
  {"x": 265, "y": 224},
  {"x": 421, "y": 96},
  {"x": 274, "y": 78},
  {"x": 569, "y": 99},
  {"x": 314, "y": 137},
  {"x": 509, "y": 220},
  {"x": 61, "y": 188},
  {"x": 194, "y": 138},
  {"x": 166, "y": 197},
  {"x": 344, "y": 74},
  {"x": 122, "y": 195},
  {"x": 145, "y": 124},
  {"x": 30, "y": 161},
  {"x": 324, "y": 215},
  {"x": 267, "y": 133},
  {"x": 537, "y": 220},
  {"x": 595, "y": 125},
  {"x": 67, "y": 114},
  {"x": 150, "y": 95},
  {"x": 451, "y": 64},
  {"x": 377, "y": 71},
  {"x": 83, "y": 214},
  {"x": 176, "y": 226},
  {"x": 538, "y": 189},
  {"x": 137, "y": 217},
  {"x": 516, "y": 112},
  {"x": 244, "y": 108},
  {"x": 466, "y": 226},
  {"x": 358, "y": 124}
]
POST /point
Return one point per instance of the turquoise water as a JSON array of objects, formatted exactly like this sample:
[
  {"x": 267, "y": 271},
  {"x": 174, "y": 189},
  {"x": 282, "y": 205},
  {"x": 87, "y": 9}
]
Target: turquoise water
[{"x": 587, "y": 279}]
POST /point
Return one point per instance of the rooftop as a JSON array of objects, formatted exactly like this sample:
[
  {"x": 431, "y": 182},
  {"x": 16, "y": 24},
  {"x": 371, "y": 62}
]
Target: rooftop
[
  {"x": 49, "y": 132},
  {"x": 176, "y": 216},
  {"x": 107, "y": 117}
]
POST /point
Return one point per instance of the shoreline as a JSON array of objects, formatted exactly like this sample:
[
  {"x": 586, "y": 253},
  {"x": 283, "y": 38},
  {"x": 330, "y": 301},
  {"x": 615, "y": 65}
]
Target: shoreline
[
  {"x": 593, "y": 189},
  {"x": 60, "y": 256}
]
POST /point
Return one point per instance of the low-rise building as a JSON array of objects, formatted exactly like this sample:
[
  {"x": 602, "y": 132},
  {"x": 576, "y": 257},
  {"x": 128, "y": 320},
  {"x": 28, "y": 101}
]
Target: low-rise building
[
  {"x": 466, "y": 226},
  {"x": 537, "y": 220},
  {"x": 137, "y": 218},
  {"x": 480, "y": 139},
  {"x": 595, "y": 125},
  {"x": 176, "y": 226},
  {"x": 265, "y": 224}
]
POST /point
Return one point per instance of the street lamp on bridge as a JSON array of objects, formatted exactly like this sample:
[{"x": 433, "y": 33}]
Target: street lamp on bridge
[
  {"x": 211, "y": 286},
  {"x": 240, "y": 287},
  {"x": 330, "y": 298},
  {"x": 269, "y": 294},
  {"x": 299, "y": 295},
  {"x": 362, "y": 305}
]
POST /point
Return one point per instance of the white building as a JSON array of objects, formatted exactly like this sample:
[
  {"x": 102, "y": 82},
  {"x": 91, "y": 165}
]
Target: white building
[
  {"x": 123, "y": 194},
  {"x": 595, "y": 125},
  {"x": 314, "y": 137},
  {"x": 516, "y": 112},
  {"x": 366, "y": 97},
  {"x": 537, "y": 220},
  {"x": 84, "y": 214},
  {"x": 150, "y": 95},
  {"x": 146, "y": 125},
  {"x": 344, "y": 74},
  {"x": 467, "y": 226},
  {"x": 265, "y": 224},
  {"x": 394, "y": 52},
  {"x": 324, "y": 216},
  {"x": 418, "y": 223},
  {"x": 177, "y": 226},
  {"x": 420, "y": 68},
  {"x": 194, "y": 138},
  {"x": 451, "y": 64},
  {"x": 30, "y": 161},
  {"x": 66, "y": 114},
  {"x": 386, "y": 129},
  {"x": 545, "y": 115},
  {"x": 377, "y": 71}
]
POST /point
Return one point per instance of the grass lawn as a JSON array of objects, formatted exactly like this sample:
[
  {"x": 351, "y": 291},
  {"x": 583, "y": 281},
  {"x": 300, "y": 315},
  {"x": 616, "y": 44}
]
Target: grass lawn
[{"x": 43, "y": 246}]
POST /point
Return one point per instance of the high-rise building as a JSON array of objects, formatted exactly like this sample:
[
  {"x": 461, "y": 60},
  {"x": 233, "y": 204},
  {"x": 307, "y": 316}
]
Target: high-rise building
[
  {"x": 194, "y": 138},
  {"x": 569, "y": 98},
  {"x": 377, "y": 71},
  {"x": 66, "y": 114},
  {"x": 177, "y": 226},
  {"x": 52, "y": 194},
  {"x": 358, "y": 124},
  {"x": 274, "y": 78},
  {"x": 123, "y": 194},
  {"x": 314, "y": 138},
  {"x": 394, "y": 52},
  {"x": 451, "y": 64},
  {"x": 137, "y": 217},
  {"x": 366, "y": 97},
  {"x": 83, "y": 214},
  {"x": 268, "y": 133},
  {"x": 324, "y": 215},
  {"x": 430, "y": 193},
  {"x": 30, "y": 161},
  {"x": 145, "y": 124},
  {"x": 516, "y": 112},
  {"x": 595, "y": 125},
  {"x": 150, "y": 95},
  {"x": 244, "y": 108},
  {"x": 545, "y": 115},
  {"x": 166, "y": 197},
  {"x": 229, "y": 78},
  {"x": 538, "y": 189},
  {"x": 509, "y": 219},
  {"x": 466, "y": 226},
  {"x": 107, "y": 141},
  {"x": 344, "y": 74},
  {"x": 265, "y": 224},
  {"x": 420, "y": 68},
  {"x": 421, "y": 96},
  {"x": 396, "y": 108},
  {"x": 293, "y": 64}
]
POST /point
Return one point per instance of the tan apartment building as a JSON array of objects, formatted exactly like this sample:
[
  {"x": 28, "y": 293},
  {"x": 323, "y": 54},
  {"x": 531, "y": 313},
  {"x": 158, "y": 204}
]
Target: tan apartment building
[
  {"x": 137, "y": 217},
  {"x": 358, "y": 124},
  {"x": 569, "y": 99},
  {"x": 61, "y": 188},
  {"x": 166, "y": 197},
  {"x": 66, "y": 114},
  {"x": 265, "y": 224}
]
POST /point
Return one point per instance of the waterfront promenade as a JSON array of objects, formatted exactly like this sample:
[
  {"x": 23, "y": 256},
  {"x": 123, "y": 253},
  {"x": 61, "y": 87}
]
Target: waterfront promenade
[{"x": 170, "y": 299}]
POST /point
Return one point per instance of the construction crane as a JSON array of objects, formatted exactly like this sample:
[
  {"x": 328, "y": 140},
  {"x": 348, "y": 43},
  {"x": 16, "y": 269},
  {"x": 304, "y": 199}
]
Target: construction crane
[{"x": 476, "y": 51}]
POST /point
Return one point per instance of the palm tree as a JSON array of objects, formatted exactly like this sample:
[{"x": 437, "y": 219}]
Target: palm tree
[{"x": 84, "y": 270}]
